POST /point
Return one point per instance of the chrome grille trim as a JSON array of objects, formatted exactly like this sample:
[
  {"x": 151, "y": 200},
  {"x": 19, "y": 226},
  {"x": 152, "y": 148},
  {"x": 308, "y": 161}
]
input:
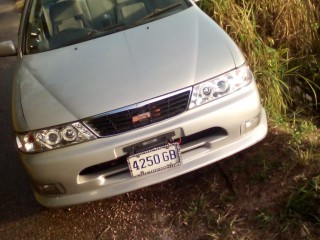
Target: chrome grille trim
[{"x": 120, "y": 120}]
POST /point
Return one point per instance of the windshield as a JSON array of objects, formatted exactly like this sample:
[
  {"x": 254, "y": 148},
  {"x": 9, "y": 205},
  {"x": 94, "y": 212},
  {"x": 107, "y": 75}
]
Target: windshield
[{"x": 57, "y": 23}]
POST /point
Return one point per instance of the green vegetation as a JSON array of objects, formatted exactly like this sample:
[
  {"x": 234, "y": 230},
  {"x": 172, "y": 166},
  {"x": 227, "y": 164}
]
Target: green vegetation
[
  {"x": 275, "y": 185},
  {"x": 281, "y": 42},
  {"x": 304, "y": 202}
]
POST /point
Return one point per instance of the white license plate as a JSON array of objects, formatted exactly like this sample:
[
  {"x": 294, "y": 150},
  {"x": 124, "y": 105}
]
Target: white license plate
[{"x": 154, "y": 160}]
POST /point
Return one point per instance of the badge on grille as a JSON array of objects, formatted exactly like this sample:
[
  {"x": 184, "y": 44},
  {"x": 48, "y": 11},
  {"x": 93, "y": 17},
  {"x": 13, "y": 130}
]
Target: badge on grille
[{"x": 141, "y": 117}]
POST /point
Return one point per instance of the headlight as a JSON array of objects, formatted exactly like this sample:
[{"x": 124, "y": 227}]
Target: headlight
[
  {"x": 52, "y": 138},
  {"x": 220, "y": 86}
]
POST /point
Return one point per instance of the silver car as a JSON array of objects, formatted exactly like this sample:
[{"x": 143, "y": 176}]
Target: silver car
[{"x": 110, "y": 96}]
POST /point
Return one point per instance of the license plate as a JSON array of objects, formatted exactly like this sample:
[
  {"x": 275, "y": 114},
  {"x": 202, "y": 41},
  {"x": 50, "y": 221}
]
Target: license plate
[{"x": 154, "y": 160}]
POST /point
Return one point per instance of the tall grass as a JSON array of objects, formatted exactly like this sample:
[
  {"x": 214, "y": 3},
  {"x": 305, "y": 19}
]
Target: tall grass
[
  {"x": 293, "y": 23},
  {"x": 277, "y": 37}
]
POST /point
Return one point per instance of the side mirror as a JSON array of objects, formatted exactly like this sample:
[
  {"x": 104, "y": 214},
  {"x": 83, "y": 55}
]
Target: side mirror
[{"x": 7, "y": 49}]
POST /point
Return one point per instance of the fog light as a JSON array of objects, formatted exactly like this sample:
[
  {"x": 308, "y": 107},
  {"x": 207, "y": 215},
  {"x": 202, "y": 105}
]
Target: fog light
[
  {"x": 50, "y": 189},
  {"x": 250, "y": 124}
]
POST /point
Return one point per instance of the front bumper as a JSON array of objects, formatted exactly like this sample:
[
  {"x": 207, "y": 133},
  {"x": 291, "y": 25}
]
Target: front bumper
[{"x": 62, "y": 167}]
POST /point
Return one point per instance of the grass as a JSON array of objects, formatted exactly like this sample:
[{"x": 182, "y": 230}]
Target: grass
[
  {"x": 276, "y": 36},
  {"x": 301, "y": 210},
  {"x": 303, "y": 203},
  {"x": 281, "y": 42}
]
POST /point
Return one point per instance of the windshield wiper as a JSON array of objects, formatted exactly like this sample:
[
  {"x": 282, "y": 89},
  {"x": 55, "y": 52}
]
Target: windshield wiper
[
  {"x": 157, "y": 12},
  {"x": 86, "y": 36},
  {"x": 96, "y": 33},
  {"x": 117, "y": 27},
  {"x": 104, "y": 31}
]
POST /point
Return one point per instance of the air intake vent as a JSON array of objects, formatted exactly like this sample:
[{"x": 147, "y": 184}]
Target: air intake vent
[{"x": 129, "y": 118}]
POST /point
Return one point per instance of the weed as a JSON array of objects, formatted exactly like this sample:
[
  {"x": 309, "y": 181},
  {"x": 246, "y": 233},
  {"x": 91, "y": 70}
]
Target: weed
[
  {"x": 196, "y": 207},
  {"x": 301, "y": 211},
  {"x": 226, "y": 224},
  {"x": 303, "y": 203},
  {"x": 264, "y": 217},
  {"x": 304, "y": 140}
]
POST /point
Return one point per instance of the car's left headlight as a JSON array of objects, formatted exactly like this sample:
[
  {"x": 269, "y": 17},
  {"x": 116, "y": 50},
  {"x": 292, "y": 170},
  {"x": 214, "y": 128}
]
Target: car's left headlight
[
  {"x": 52, "y": 138},
  {"x": 220, "y": 86}
]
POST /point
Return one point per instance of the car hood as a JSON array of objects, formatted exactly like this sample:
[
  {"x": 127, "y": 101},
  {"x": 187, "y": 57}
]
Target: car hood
[{"x": 123, "y": 68}]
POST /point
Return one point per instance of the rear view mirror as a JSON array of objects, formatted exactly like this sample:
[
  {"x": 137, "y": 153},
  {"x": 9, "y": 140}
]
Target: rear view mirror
[{"x": 7, "y": 49}]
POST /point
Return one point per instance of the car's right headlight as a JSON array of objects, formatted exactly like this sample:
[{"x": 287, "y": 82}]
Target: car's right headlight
[
  {"x": 220, "y": 86},
  {"x": 55, "y": 137}
]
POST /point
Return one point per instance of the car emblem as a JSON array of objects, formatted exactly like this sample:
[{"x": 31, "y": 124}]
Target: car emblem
[{"x": 141, "y": 117}]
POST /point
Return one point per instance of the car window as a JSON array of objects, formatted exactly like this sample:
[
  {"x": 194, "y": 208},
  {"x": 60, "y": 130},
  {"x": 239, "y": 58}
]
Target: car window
[{"x": 57, "y": 23}]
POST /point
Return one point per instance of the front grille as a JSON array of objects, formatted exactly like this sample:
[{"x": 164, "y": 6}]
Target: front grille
[{"x": 129, "y": 118}]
